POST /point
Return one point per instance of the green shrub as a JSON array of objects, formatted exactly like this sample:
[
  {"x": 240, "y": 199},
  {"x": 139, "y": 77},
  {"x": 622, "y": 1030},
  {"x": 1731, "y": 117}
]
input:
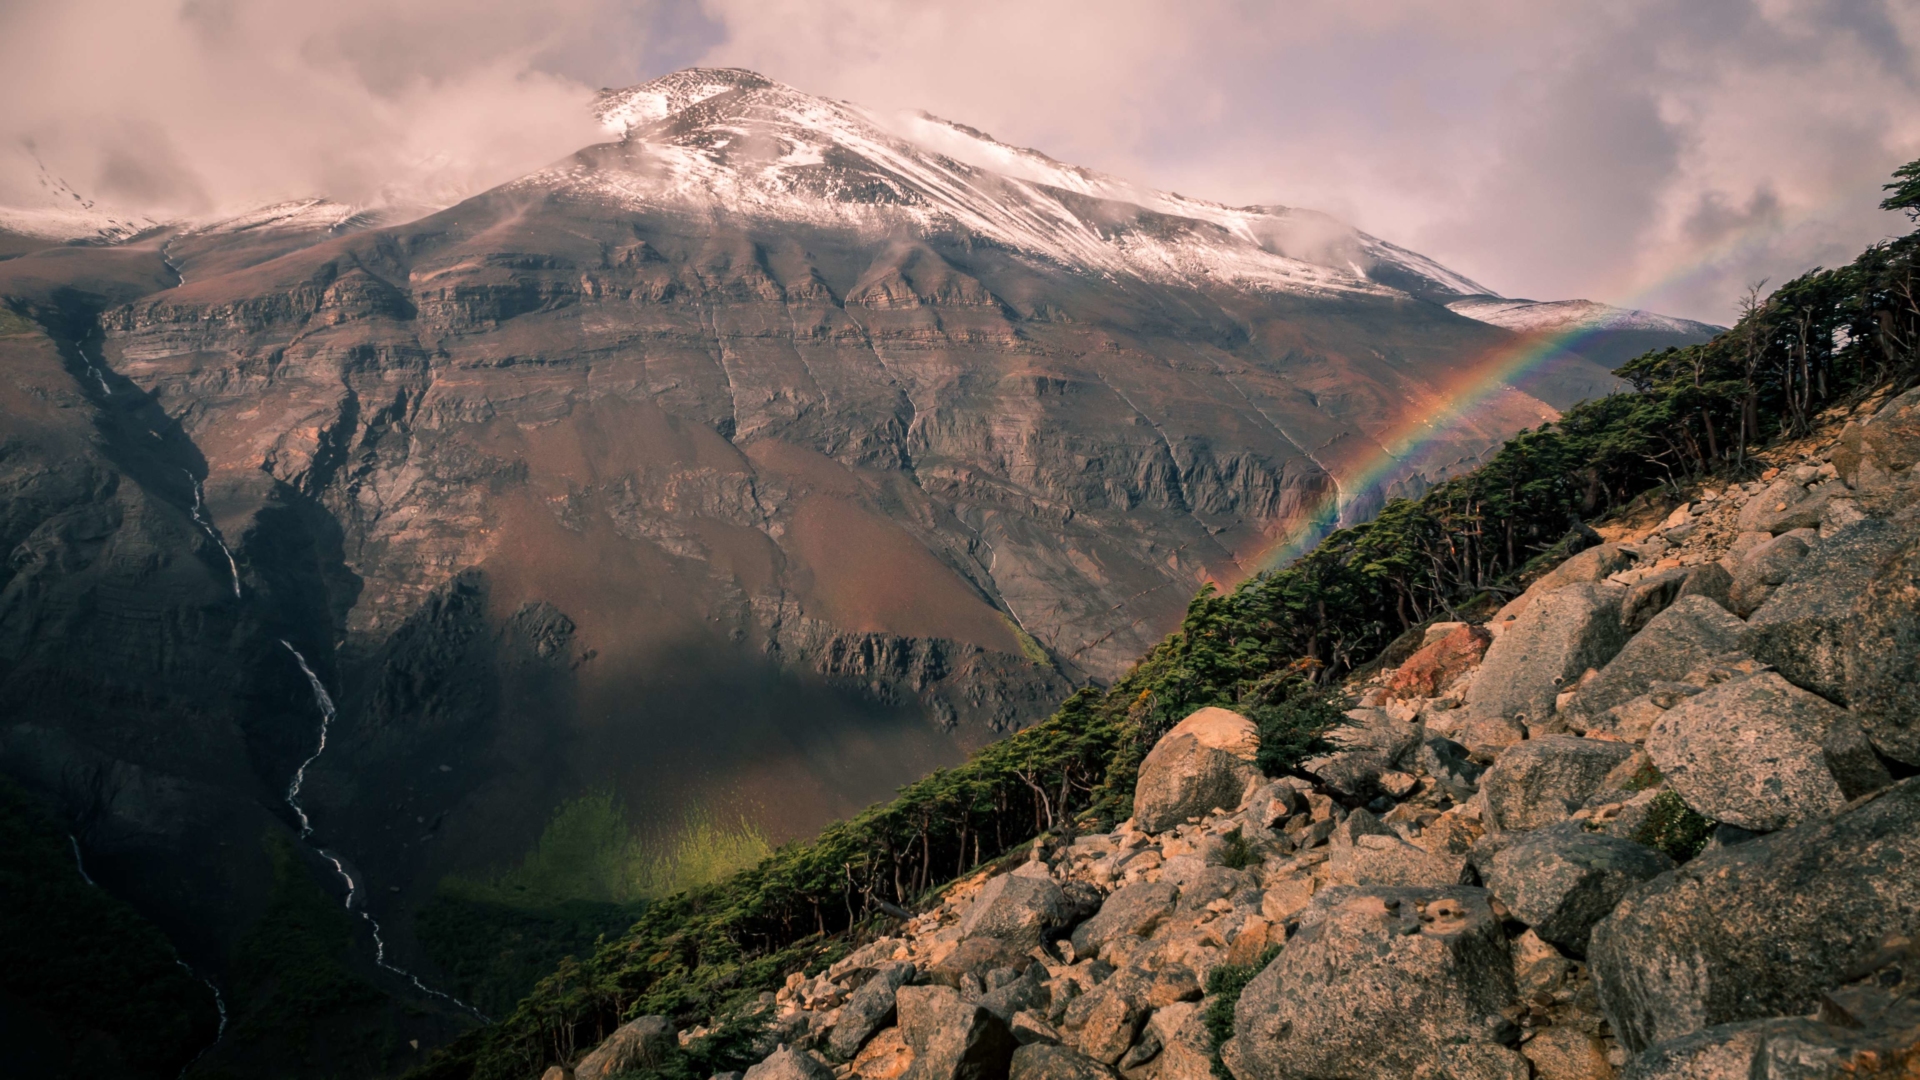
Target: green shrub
[
  {"x": 1673, "y": 827},
  {"x": 1224, "y": 986}
]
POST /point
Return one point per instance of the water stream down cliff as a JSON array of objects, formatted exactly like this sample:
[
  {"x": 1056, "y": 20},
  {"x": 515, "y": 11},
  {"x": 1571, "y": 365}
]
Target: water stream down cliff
[{"x": 324, "y": 702}]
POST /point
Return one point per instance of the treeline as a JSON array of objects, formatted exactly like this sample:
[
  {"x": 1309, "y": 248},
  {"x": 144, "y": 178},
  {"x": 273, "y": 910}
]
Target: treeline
[{"x": 1271, "y": 648}]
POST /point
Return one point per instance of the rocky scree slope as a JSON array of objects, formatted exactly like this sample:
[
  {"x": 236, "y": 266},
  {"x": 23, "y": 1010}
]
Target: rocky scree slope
[{"x": 1687, "y": 854}]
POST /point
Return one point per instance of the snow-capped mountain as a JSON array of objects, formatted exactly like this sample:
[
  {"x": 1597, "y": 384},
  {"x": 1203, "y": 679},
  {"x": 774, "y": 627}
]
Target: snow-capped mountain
[{"x": 733, "y": 141}]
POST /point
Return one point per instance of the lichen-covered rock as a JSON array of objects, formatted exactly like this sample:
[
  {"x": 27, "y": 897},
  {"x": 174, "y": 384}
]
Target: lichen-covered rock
[
  {"x": 1204, "y": 763},
  {"x": 1552, "y": 643},
  {"x": 1438, "y": 664},
  {"x": 1541, "y": 781},
  {"x": 1378, "y": 984},
  {"x": 1560, "y": 880},
  {"x": 787, "y": 1063},
  {"x": 1761, "y": 928},
  {"x": 1370, "y": 744},
  {"x": 1690, "y": 633},
  {"x": 1763, "y": 754},
  {"x": 1016, "y": 908},
  {"x": 641, "y": 1042},
  {"x": 952, "y": 1039},
  {"x": 1786, "y": 504},
  {"x": 869, "y": 1009},
  {"x": 1801, "y": 628},
  {"x": 1712, "y": 581},
  {"x": 1880, "y": 647},
  {"x": 1131, "y": 909},
  {"x": 1102, "y": 1023}
]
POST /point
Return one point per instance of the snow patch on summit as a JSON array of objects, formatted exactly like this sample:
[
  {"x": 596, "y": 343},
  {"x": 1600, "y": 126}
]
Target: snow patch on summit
[{"x": 1556, "y": 316}]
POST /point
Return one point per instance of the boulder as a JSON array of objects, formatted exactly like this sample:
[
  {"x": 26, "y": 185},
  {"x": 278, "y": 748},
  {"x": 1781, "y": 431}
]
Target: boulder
[
  {"x": 1370, "y": 743},
  {"x": 1800, "y": 630},
  {"x": 1761, "y": 928},
  {"x": 1131, "y": 909},
  {"x": 1018, "y": 909},
  {"x": 1451, "y": 767},
  {"x": 1206, "y": 762},
  {"x": 975, "y": 956},
  {"x": 1880, "y": 649},
  {"x": 637, "y": 1044},
  {"x": 1390, "y": 861},
  {"x": 869, "y": 1009},
  {"x": 885, "y": 1057},
  {"x": 1763, "y": 754},
  {"x": 1765, "y": 566},
  {"x": 1870, "y": 454},
  {"x": 1045, "y": 1061},
  {"x": 1545, "y": 780},
  {"x": 952, "y": 1039},
  {"x": 1650, "y": 596},
  {"x": 1687, "y": 635},
  {"x": 1024, "y": 992},
  {"x": 1378, "y": 984},
  {"x": 1560, "y": 880},
  {"x": 1786, "y": 504},
  {"x": 1712, "y": 581},
  {"x": 1553, "y": 642},
  {"x": 1102, "y": 1023},
  {"x": 1186, "y": 1050},
  {"x": 1438, "y": 663},
  {"x": 789, "y": 1064},
  {"x": 1784, "y": 1048}
]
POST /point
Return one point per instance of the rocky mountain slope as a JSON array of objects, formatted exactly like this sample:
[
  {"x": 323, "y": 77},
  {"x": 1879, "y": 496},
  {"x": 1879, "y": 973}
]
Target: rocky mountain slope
[
  {"x": 759, "y": 459},
  {"x": 1655, "y": 819}
]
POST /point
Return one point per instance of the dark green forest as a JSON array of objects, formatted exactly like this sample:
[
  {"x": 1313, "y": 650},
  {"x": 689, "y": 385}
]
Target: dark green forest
[{"x": 1274, "y": 648}]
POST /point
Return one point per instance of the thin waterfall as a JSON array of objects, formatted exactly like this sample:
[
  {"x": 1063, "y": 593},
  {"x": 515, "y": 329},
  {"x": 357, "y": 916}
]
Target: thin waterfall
[
  {"x": 324, "y": 702},
  {"x": 219, "y": 999},
  {"x": 198, "y": 510}
]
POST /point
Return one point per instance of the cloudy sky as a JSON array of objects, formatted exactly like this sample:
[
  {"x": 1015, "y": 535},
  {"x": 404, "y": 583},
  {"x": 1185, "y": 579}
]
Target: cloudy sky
[{"x": 1659, "y": 155}]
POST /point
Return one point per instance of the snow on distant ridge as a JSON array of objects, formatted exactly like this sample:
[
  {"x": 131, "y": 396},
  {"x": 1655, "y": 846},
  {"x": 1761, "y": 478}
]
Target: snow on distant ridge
[{"x": 1555, "y": 316}]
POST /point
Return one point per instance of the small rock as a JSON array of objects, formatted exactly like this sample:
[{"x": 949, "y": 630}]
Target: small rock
[
  {"x": 1688, "y": 634},
  {"x": 1762, "y": 568}
]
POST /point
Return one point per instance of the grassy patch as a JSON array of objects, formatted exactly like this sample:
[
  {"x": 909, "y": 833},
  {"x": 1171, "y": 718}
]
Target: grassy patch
[{"x": 589, "y": 876}]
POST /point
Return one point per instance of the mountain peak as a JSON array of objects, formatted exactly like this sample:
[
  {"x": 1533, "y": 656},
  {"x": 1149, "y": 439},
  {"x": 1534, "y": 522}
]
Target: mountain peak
[{"x": 637, "y": 106}]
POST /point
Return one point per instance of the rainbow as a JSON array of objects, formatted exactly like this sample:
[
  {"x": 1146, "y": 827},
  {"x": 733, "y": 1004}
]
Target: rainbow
[{"x": 1400, "y": 448}]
